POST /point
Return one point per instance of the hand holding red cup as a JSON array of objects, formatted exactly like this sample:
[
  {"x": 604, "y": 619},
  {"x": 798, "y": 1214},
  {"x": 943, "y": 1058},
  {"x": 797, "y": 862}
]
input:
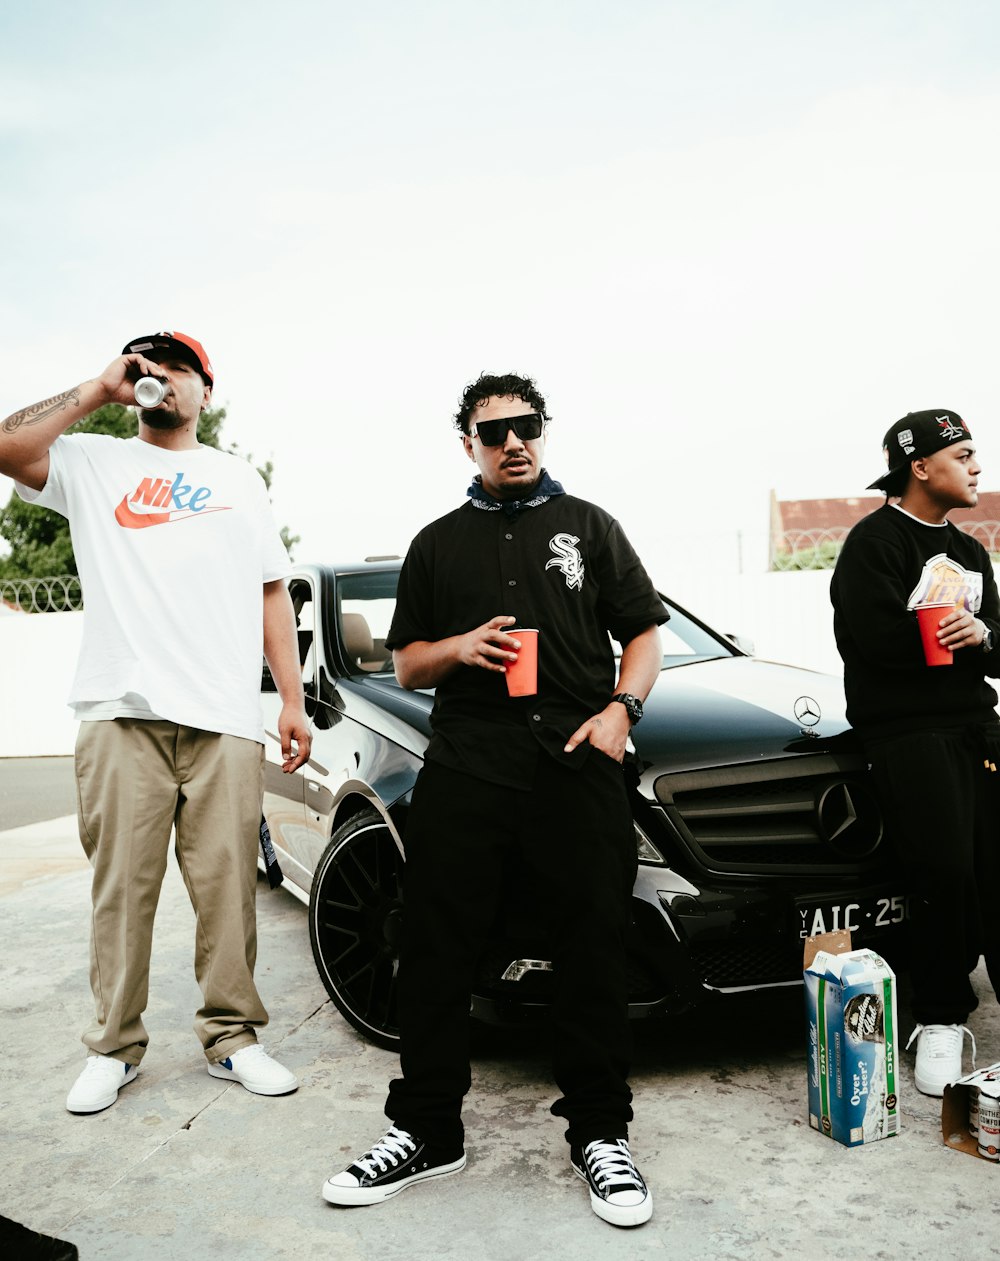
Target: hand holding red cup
[
  {"x": 929, "y": 618},
  {"x": 522, "y": 674}
]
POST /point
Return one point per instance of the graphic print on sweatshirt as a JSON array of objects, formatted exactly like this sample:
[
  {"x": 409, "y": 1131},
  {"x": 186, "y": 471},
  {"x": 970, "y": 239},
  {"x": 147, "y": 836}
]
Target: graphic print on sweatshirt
[
  {"x": 162, "y": 501},
  {"x": 944, "y": 581},
  {"x": 567, "y": 558}
]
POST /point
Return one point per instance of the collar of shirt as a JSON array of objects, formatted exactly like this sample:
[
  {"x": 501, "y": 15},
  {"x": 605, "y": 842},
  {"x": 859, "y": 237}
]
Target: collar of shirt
[{"x": 545, "y": 489}]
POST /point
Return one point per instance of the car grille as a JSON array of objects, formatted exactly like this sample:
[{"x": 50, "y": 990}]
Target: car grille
[
  {"x": 811, "y": 814},
  {"x": 725, "y": 966}
]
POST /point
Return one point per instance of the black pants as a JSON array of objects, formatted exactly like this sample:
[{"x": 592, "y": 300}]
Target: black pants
[
  {"x": 943, "y": 806},
  {"x": 572, "y": 835}
]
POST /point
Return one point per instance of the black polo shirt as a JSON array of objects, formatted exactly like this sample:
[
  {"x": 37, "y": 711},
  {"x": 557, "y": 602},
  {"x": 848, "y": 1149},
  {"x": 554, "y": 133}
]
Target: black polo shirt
[{"x": 563, "y": 566}]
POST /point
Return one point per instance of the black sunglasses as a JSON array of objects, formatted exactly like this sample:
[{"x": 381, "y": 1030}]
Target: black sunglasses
[{"x": 493, "y": 433}]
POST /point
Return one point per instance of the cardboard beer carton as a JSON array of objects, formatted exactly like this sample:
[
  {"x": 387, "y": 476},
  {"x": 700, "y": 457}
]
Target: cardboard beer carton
[
  {"x": 851, "y": 1023},
  {"x": 955, "y": 1111}
]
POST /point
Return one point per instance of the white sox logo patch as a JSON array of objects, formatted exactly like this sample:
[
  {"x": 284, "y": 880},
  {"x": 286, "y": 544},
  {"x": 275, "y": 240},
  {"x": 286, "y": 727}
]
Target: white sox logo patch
[{"x": 567, "y": 558}]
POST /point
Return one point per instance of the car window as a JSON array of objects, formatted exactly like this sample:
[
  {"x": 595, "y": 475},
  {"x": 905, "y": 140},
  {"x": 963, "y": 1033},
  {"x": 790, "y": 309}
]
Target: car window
[
  {"x": 302, "y": 603},
  {"x": 686, "y": 640},
  {"x": 300, "y": 591},
  {"x": 365, "y": 604}
]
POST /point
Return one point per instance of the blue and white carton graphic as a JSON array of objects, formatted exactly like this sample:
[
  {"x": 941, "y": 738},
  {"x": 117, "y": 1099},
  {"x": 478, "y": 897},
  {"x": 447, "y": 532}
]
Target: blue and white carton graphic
[{"x": 851, "y": 1022}]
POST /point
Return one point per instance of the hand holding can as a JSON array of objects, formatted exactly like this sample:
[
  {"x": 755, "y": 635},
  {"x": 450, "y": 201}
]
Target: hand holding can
[{"x": 149, "y": 392}]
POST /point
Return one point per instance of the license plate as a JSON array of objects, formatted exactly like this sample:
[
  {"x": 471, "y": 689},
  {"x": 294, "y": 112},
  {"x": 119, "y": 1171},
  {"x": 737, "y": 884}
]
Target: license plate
[{"x": 864, "y": 916}]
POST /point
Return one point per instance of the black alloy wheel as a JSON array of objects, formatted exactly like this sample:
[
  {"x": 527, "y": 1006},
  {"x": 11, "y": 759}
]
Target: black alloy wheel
[{"x": 355, "y": 915}]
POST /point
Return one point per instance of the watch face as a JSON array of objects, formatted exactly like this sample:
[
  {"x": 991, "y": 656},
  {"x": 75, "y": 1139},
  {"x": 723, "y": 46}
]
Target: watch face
[{"x": 633, "y": 706}]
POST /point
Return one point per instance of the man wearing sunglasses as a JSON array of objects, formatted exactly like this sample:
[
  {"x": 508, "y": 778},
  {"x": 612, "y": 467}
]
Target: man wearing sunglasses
[{"x": 531, "y": 785}]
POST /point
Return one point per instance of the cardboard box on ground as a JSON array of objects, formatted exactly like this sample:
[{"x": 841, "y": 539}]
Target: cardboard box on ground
[
  {"x": 852, "y": 1029},
  {"x": 982, "y": 1085}
]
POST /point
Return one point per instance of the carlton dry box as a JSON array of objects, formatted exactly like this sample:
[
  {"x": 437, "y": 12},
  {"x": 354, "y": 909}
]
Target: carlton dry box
[{"x": 851, "y": 1024}]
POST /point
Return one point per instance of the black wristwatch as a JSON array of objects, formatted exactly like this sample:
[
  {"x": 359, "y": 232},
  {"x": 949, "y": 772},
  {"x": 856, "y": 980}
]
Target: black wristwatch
[{"x": 633, "y": 706}]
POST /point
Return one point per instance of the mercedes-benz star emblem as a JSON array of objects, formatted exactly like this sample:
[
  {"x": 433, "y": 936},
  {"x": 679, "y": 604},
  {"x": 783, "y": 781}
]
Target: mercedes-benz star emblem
[
  {"x": 848, "y": 818},
  {"x": 806, "y": 711}
]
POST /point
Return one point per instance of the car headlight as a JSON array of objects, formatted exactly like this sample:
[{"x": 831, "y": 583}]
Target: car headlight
[{"x": 645, "y": 850}]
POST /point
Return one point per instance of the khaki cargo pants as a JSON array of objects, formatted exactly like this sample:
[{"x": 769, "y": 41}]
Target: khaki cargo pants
[{"x": 136, "y": 780}]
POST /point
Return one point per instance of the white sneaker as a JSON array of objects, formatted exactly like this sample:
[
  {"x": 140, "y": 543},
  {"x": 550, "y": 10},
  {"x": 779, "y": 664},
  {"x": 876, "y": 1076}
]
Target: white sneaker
[
  {"x": 939, "y": 1056},
  {"x": 253, "y": 1068},
  {"x": 98, "y": 1085}
]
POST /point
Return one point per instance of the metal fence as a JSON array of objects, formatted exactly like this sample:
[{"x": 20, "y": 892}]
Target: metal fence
[
  {"x": 819, "y": 548},
  {"x": 60, "y": 594}
]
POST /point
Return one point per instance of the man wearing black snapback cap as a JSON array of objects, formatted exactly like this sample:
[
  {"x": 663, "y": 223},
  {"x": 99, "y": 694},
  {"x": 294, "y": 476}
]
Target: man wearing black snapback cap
[
  {"x": 182, "y": 572},
  {"x": 930, "y": 733}
]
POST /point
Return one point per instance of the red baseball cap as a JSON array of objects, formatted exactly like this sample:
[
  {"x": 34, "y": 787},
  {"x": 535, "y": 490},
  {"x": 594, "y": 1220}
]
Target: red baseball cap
[{"x": 182, "y": 343}]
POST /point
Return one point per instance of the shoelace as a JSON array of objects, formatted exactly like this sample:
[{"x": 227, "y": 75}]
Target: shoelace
[
  {"x": 611, "y": 1162},
  {"x": 394, "y": 1147},
  {"x": 254, "y": 1050},
  {"x": 95, "y": 1064},
  {"x": 940, "y": 1040}
]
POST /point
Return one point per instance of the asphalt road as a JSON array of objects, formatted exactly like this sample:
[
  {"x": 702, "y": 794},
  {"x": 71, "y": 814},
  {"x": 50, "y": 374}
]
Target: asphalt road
[{"x": 35, "y": 788}]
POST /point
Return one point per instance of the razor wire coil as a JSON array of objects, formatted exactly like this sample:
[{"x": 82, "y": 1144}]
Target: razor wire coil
[{"x": 61, "y": 593}]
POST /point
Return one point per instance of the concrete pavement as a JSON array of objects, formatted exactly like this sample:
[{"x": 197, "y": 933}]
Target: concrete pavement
[
  {"x": 37, "y": 851},
  {"x": 184, "y": 1166}
]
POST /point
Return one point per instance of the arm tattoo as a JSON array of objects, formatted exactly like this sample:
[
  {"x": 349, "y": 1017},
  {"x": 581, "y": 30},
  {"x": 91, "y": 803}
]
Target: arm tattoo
[{"x": 38, "y": 412}]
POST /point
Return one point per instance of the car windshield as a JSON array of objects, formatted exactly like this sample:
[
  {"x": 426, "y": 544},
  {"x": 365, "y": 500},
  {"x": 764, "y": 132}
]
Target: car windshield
[
  {"x": 365, "y": 604},
  {"x": 685, "y": 639}
]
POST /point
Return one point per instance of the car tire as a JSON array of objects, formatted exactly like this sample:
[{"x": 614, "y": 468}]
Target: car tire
[{"x": 355, "y": 916}]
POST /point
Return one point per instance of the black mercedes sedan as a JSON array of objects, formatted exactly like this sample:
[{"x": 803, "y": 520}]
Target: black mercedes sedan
[{"x": 755, "y": 822}]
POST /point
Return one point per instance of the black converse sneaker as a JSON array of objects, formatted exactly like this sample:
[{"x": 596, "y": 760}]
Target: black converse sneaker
[
  {"x": 395, "y": 1162},
  {"x": 617, "y": 1191}
]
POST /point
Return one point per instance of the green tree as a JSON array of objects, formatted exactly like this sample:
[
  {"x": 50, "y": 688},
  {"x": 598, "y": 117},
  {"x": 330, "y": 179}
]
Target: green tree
[{"x": 39, "y": 540}]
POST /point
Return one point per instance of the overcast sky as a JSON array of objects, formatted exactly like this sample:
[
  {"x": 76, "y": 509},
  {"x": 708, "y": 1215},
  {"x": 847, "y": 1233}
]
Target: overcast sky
[{"x": 732, "y": 241}]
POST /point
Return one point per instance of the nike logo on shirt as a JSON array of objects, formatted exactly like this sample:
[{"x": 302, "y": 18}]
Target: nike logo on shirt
[{"x": 179, "y": 501}]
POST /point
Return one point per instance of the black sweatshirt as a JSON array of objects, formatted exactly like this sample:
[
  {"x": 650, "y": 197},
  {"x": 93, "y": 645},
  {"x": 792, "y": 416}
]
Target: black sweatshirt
[{"x": 889, "y": 563}]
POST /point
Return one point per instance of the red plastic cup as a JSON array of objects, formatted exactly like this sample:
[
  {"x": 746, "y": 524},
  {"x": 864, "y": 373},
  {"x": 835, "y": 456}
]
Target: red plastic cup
[
  {"x": 929, "y": 619},
  {"x": 522, "y": 674}
]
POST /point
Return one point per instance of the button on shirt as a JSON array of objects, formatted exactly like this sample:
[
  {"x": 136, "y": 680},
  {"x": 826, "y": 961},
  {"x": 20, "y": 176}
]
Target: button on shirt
[{"x": 563, "y": 566}]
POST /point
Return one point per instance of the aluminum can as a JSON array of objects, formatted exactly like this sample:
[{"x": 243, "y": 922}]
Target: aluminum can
[
  {"x": 989, "y": 1127},
  {"x": 149, "y": 392}
]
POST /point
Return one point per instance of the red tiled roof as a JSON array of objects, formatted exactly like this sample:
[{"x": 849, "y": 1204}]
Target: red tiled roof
[{"x": 826, "y": 514}]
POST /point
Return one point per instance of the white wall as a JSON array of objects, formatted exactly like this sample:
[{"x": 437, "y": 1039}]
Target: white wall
[
  {"x": 37, "y": 658},
  {"x": 787, "y": 615}
]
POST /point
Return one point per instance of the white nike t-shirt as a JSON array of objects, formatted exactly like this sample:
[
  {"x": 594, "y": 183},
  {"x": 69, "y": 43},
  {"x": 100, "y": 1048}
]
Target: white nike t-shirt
[{"x": 173, "y": 549}]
